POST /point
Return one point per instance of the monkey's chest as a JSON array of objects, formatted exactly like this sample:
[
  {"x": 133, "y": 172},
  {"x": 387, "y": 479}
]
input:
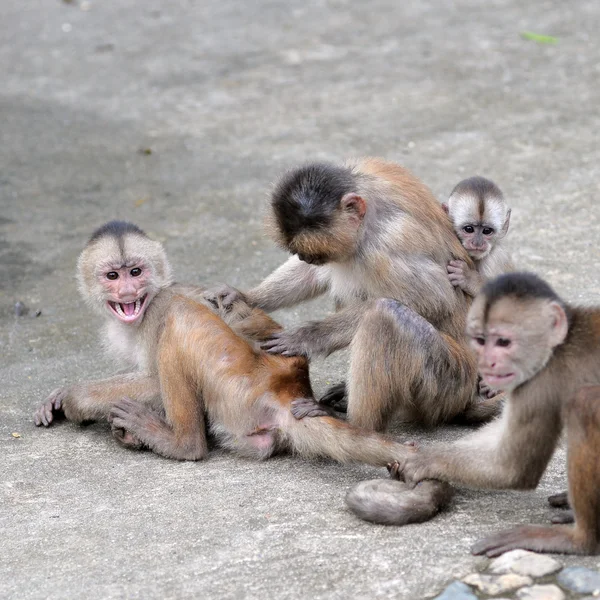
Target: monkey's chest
[
  {"x": 347, "y": 285},
  {"x": 124, "y": 347}
]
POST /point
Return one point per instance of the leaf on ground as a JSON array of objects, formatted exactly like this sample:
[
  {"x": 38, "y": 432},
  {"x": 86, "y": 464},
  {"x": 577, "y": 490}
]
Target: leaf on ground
[
  {"x": 539, "y": 38},
  {"x": 16, "y": 435}
]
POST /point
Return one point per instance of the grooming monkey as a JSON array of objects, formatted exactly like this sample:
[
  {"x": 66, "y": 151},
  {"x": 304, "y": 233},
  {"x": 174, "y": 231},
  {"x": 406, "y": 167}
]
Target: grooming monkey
[
  {"x": 197, "y": 366},
  {"x": 374, "y": 238},
  {"x": 545, "y": 353},
  {"x": 480, "y": 218}
]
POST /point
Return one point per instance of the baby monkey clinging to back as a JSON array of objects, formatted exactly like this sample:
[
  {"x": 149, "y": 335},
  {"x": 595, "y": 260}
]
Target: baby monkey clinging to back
[{"x": 480, "y": 217}]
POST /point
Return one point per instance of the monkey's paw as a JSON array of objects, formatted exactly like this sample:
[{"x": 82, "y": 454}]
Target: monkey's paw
[
  {"x": 126, "y": 438},
  {"x": 559, "y": 500},
  {"x": 285, "y": 343},
  {"x": 457, "y": 272},
  {"x": 308, "y": 407},
  {"x": 133, "y": 418},
  {"x": 52, "y": 409},
  {"x": 336, "y": 396},
  {"x": 485, "y": 390},
  {"x": 563, "y": 518},
  {"x": 527, "y": 537},
  {"x": 223, "y": 296}
]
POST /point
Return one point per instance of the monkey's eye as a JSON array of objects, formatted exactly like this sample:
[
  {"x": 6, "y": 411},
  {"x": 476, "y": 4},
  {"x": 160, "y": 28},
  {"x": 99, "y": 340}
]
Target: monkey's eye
[
  {"x": 503, "y": 342},
  {"x": 488, "y": 231},
  {"x": 480, "y": 341},
  {"x": 112, "y": 275},
  {"x": 469, "y": 229},
  {"x": 135, "y": 272}
]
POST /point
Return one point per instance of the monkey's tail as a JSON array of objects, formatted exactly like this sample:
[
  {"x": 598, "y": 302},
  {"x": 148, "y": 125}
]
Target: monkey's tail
[
  {"x": 397, "y": 503},
  {"x": 332, "y": 438}
]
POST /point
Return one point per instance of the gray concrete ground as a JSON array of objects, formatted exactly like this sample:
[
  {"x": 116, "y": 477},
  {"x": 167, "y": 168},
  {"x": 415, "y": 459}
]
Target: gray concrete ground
[{"x": 226, "y": 95}]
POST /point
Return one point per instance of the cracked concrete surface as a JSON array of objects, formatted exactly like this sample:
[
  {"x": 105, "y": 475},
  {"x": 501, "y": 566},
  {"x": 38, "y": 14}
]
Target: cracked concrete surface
[{"x": 178, "y": 116}]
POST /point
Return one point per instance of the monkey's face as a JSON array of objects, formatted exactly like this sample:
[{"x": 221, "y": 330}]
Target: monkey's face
[
  {"x": 127, "y": 291},
  {"x": 514, "y": 340},
  {"x": 477, "y": 239},
  {"x": 120, "y": 277}
]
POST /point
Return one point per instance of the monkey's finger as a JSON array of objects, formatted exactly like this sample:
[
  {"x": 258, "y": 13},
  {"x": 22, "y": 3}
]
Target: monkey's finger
[
  {"x": 460, "y": 264},
  {"x": 454, "y": 270},
  {"x": 563, "y": 518}
]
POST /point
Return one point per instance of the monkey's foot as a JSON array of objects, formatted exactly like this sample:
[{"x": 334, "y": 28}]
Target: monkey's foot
[
  {"x": 527, "y": 537},
  {"x": 126, "y": 438},
  {"x": 567, "y": 516},
  {"x": 337, "y": 397},
  {"x": 559, "y": 500},
  {"x": 51, "y": 410},
  {"x": 308, "y": 407},
  {"x": 133, "y": 418},
  {"x": 395, "y": 471}
]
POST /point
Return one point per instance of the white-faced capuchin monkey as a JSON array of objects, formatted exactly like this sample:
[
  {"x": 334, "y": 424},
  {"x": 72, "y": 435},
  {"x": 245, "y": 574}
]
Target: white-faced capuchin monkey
[
  {"x": 195, "y": 365},
  {"x": 480, "y": 218},
  {"x": 545, "y": 354},
  {"x": 375, "y": 239}
]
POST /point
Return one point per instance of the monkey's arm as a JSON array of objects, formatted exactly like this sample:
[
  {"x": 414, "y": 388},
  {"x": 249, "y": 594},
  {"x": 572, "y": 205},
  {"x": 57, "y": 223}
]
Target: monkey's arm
[
  {"x": 511, "y": 452},
  {"x": 318, "y": 337},
  {"x": 93, "y": 400},
  {"x": 293, "y": 282}
]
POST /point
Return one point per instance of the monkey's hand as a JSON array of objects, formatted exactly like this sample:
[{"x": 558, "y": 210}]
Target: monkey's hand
[
  {"x": 287, "y": 343},
  {"x": 414, "y": 467},
  {"x": 460, "y": 275},
  {"x": 52, "y": 408},
  {"x": 485, "y": 390},
  {"x": 223, "y": 296}
]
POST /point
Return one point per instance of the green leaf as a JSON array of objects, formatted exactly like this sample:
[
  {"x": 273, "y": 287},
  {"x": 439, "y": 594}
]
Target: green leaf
[{"x": 540, "y": 39}]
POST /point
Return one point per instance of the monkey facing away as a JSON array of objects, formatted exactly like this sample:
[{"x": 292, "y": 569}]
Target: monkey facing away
[
  {"x": 374, "y": 238},
  {"x": 545, "y": 353},
  {"x": 197, "y": 366},
  {"x": 481, "y": 219}
]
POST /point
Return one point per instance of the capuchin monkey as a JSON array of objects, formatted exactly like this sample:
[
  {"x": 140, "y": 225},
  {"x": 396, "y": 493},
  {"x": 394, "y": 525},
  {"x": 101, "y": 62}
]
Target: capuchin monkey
[
  {"x": 545, "y": 354},
  {"x": 480, "y": 218},
  {"x": 375, "y": 239},
  {"x": 196, "y": 366}
]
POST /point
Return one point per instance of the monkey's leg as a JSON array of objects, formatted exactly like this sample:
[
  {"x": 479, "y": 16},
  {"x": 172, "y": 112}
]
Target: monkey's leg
[
  {"x": 398, "y": 360},
  {"x": 583, "y": 427},
  {"x": 181, "y": 432},
  {"x": 92, "y": 400}
]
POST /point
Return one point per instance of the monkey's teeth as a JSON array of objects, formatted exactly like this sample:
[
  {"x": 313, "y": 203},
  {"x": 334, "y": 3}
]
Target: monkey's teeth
[
  {"x": 119, "y": 309},
  {"x": 138, "y": 305}
]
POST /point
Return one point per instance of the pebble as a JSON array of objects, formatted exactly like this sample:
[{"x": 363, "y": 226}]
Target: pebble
[
  {"x": 497, "y": 584},
  {"x": 581, "y": 580},
  {"x": 21, "y": 309},
  {"x": 457, "y": 591},
  {"x": 526, "y": 563},
  {"x": 540, "y": 592}
]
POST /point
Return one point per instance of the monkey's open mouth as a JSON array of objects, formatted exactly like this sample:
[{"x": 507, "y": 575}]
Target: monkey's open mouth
[{"x": 128, "y": 311}]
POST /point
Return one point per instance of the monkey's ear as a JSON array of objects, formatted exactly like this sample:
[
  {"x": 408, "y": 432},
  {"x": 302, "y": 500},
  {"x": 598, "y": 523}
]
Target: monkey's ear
[
  {"x": 559, "y": 324},
  {"x": 355, "y": 204},
  {"x": 446, "y": 208},
  {"x": 506, "y": 223}
]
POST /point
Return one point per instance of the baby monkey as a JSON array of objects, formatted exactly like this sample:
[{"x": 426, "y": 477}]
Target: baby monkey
[{"x": 480, "y": 218}]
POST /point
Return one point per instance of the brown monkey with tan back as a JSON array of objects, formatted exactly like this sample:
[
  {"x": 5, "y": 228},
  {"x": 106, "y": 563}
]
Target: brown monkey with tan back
[
  {"x": 374, "y": 238},
  {"x": 545, "y": 354},
  {"x": 197, "y": 366}
]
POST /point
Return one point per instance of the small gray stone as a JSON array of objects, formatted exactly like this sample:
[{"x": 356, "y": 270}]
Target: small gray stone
[
  {"x": 497, "y": 584},
  {"x": 457, "y": 591},
  {"x": 21, "y": 309},
  {"x": 581, "y": 580},
  {"x": 541, "y": 592},
  {"x": 525, "y": 563}
]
